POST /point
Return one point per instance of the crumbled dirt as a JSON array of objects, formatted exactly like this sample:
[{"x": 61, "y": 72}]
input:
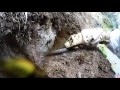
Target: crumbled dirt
[{"x": 79, "y": 64}]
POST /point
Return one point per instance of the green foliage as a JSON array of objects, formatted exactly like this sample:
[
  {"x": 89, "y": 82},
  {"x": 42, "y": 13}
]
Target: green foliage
[
  {"x": 102, "y": 48},
  {"x": 106, "y": 24}
]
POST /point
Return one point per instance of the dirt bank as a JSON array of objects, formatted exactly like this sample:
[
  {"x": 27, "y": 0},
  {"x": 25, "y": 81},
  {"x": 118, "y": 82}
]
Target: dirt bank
[{"x": 45, "y": 31}]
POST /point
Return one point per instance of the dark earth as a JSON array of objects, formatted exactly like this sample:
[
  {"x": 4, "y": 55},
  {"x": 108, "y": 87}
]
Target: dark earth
[
  {"x": 45, "y": 32},
  {"x": 79, "y": 64}
]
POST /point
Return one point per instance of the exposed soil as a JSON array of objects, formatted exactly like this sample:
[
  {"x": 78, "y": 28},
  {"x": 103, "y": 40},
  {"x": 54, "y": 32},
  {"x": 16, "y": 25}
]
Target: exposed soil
[
  {"x": 79, "y": 64},
  {"x": 38, "y": 35}
]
